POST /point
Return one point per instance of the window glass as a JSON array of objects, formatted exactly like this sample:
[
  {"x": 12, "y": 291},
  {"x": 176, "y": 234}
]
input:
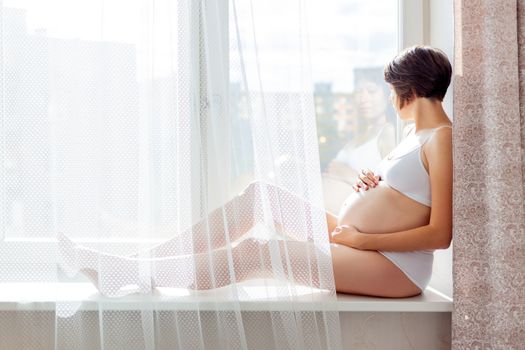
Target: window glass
[{"x": 350, "y": 42}]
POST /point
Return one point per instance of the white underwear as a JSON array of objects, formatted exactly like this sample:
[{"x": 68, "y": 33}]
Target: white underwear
[{"x": 416, "y": 265}]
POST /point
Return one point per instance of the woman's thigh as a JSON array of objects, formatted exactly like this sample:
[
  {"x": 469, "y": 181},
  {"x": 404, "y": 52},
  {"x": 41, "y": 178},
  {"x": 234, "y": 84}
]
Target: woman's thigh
[{"x": 368, "y": 272}]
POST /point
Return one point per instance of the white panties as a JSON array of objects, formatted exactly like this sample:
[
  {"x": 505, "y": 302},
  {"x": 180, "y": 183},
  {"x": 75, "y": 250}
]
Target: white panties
[{"x": 416, "y": 265}]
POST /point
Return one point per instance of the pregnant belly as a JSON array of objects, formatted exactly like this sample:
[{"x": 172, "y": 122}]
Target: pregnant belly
[{"x": 382, "y": 209}]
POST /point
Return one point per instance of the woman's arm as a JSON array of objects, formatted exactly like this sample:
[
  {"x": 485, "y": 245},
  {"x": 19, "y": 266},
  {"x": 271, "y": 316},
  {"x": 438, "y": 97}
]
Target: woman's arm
[
  {"x": 419, "y": 238},
  {"x": 438, "y": 152}
]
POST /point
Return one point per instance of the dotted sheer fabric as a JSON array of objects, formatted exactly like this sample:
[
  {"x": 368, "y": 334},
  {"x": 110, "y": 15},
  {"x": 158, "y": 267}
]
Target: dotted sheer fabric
[{"x": 155, "y": 156}]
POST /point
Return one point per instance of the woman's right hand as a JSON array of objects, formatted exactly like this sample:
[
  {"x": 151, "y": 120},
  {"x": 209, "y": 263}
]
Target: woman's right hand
[{"x": 366, "y": 179}]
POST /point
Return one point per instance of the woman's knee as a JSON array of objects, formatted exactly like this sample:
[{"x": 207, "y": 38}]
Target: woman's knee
[
  {"x": 249, "y": 190},
  {"x": 254, "y": 190}
]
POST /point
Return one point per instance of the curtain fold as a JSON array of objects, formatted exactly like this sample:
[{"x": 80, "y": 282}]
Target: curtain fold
[
  {"x": 489, "y": 181},
  {"x": 161, "y": 160}
]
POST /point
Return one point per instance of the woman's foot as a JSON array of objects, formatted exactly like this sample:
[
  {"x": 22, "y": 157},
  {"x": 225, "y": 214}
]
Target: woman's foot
[
  {"x": 108, "y": 288},
  {"x": 115, "y": 271}
]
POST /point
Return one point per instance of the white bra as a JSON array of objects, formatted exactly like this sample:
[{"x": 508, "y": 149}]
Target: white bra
[{"x": 403, "y": 168}]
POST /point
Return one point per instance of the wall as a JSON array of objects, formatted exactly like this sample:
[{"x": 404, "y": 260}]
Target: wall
[{"x": 360, "y": 330}]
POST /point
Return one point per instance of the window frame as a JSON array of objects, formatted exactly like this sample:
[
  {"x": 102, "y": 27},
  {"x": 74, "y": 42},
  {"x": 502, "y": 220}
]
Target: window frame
[{"x": 414, "y": 29}]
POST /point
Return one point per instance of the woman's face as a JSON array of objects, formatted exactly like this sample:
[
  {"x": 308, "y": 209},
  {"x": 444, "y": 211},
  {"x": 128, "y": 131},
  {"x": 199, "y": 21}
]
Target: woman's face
[{"x": 370, "y": 100}]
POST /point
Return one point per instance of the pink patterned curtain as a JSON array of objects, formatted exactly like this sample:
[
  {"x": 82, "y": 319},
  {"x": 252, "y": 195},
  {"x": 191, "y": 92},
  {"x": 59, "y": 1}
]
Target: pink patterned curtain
[{"x": 489, "y": 170}]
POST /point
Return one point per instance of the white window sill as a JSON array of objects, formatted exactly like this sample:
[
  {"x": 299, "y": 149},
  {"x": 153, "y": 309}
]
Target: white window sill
[{"x": 253, "y": 295}]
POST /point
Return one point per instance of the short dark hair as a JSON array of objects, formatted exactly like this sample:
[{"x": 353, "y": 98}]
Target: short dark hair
[{"x": 420, "y": 69}]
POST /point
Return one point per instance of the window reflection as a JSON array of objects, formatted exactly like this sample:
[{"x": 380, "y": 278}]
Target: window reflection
[
  {"x": 365, "y": 124},
  {"x": 355, "y": 134}
]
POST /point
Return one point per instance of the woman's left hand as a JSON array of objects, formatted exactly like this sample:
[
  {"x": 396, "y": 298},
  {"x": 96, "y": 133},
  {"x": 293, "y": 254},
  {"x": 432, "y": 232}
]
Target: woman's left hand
[{"x": 346, "y": 235}]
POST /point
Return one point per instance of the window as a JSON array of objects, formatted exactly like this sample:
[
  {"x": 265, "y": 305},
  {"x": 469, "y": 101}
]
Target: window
[{"x": 351, "y": 40}]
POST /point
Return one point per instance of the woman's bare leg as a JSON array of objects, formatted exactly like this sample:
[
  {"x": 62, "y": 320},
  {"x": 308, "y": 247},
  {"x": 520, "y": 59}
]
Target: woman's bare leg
[
  {"x": 364, "y": 272},
  {"x": 361, "y": 272},
  {"x": 368, "y": 272},
  {"x": 231, "y": 220},
  {"x": 239, "y": 215},
  {"x": 251, "y": 259}
]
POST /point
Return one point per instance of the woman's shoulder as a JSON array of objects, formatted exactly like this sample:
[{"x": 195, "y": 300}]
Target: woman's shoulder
[
  {"x": 440, "y": 138},
  {"x": 443, "y": 132}
]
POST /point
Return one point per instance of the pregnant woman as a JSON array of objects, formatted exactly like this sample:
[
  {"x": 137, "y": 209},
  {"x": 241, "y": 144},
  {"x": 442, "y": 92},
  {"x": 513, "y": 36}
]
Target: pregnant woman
[{"x": 382, "y": 239}]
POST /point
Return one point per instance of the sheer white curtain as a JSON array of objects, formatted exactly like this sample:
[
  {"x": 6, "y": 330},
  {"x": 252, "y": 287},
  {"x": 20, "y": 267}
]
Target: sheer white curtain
[{"x": 159, "y": 149}]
